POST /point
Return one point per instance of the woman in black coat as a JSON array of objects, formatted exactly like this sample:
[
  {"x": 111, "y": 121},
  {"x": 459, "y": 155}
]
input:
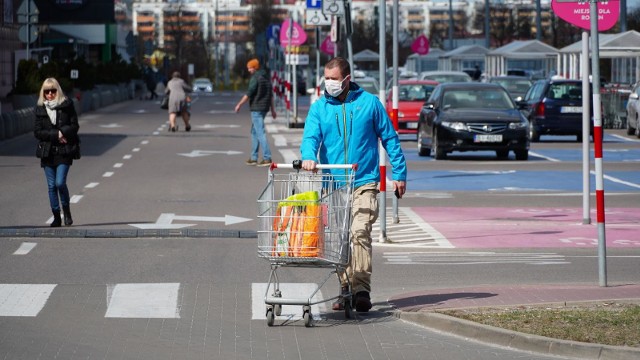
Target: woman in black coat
[{"x": 56, "y": 128}]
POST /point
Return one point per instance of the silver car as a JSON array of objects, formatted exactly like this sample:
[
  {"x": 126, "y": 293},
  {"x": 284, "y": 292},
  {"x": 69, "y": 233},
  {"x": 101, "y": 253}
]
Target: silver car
[
  {"x": 202, "y": 85},
  {"x": 633, "y": 111}
]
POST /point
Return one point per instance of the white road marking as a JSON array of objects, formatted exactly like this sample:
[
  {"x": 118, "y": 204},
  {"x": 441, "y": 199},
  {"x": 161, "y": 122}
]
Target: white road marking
[
  {"x": 144, "y": 142},
  {"x": 146, "y": 301},
  {"x": 127, "y": 157},
  {"x": 24, "y": 299},
  {"x": 108, "y": 174},
  {"x": 76, "y": 199},
  {"x": 543, "y": 157},
  {"x": 135, "y": 149},
  {"x": 289, "y": 155},
  {"x": 412, "y": 230},
  {"x": 25, "y": 248},
  {"x": 473, "y": 258},
  {"x": 289, "y": 291},
  {"x": 624, "y": 138},
  {"x": 616, "y": 180},
  {"x": 279, "y": 140},
  {"x": 117, "y": 165},
  {"x": 91, "y": 185}
]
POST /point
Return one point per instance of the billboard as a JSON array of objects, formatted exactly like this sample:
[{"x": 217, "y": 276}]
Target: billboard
[{"x": 76, "y": 11}]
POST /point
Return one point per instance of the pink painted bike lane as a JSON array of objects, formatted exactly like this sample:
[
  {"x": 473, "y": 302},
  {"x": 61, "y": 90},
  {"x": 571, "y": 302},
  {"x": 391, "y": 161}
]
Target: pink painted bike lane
[{"x": 500, "y": 227}]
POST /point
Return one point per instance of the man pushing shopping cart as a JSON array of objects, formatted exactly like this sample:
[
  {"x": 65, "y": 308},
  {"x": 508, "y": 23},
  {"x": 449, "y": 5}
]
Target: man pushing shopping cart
[{"x": 343, "y": 127}]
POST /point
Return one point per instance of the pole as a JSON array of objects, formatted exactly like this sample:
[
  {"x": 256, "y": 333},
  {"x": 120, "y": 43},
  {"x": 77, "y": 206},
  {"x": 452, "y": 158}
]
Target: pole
[
  {"x": 586, "y": 120},
  {"x": 394, "y": 118},
  {"x": 597, "y": 139},
  {"x": 487, "y": 28},
  {"x": 294, "y": 72},
  {"x": 318, "y": 42},
  {"x": 382, "y": 22},
  {"x": 450, "y": 25}
]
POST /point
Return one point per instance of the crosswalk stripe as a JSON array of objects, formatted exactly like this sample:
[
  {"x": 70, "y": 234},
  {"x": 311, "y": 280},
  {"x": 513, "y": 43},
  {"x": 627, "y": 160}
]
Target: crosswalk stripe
[
  {"x": 24, "y": 299},
  {"x": 143, "y": 301}
]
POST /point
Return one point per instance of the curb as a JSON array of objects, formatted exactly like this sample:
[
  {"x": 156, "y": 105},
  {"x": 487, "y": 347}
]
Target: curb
[
  {"x": 124, "y": 233},
  {"x": 518, "y": 340}
]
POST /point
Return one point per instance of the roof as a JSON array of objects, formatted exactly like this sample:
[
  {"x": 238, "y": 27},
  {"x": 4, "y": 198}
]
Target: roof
[
  {"x": 366, "y": 55},
  {"x": 525, "y": 49},
  {"x": 626, "y": 44},
  {"x": 466, "y": 51},
  {"x": 433, "y": 53}
]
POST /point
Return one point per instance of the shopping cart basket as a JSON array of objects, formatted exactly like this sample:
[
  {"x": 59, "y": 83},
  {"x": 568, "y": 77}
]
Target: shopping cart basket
[{"x": 304, "y": 221}]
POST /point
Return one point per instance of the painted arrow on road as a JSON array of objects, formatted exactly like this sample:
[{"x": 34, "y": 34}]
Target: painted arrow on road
[
  {"x": 165, "y": 221},
  {"x": 200, "y": 153}
]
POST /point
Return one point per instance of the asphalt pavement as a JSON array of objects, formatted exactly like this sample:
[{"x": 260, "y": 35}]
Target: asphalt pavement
[{"x": 201, "y": 300}]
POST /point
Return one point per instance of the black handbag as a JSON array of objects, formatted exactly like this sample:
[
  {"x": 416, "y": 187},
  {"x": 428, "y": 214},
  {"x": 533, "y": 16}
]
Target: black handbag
[{"x": 43, "y": 149}]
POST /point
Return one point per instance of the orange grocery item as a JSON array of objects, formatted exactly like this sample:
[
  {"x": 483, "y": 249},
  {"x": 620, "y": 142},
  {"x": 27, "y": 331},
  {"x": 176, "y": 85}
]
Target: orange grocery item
[{"x": 312, "y": 236}]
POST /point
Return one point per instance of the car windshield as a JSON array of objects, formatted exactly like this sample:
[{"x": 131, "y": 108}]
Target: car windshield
[
  {"x": 415, "y": 92},
  {"x": 514, "y": 85},
  {"x": 368, "y": 86},
  {"x": 202, "y": 82},
  {"x": 565, "y": 91},
  {"x": 476, "y": 99},
  {"x": 445, "y": 78}
]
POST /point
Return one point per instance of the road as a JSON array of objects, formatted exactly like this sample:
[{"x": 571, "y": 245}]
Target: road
[{"x": 161, "y": 261}]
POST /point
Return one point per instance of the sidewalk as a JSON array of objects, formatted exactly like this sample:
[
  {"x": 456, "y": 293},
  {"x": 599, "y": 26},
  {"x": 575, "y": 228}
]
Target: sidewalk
[{"x": 419, "y": 307}]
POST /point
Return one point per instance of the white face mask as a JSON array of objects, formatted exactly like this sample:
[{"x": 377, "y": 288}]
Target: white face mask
[{"x": 334, "y": 87}]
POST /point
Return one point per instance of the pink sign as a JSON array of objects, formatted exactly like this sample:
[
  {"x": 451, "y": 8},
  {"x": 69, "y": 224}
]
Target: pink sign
[
  {"x": 420, "y": 45},
  {"x": 298, "y": 36},
  {"x": 328, "y": 47},
  {"x": 577, "y": 13}
]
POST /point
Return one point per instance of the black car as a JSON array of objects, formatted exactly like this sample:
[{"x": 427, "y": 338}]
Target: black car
[
  {"x": 554, "y": 107},
  {"x": 472, "y": 116}
]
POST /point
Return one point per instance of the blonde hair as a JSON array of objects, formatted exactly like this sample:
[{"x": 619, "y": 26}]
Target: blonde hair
[{"x": 50, "y": 83}]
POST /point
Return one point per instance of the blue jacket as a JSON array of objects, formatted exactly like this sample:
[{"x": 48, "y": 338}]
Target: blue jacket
[{"x": 348, "y": 133}]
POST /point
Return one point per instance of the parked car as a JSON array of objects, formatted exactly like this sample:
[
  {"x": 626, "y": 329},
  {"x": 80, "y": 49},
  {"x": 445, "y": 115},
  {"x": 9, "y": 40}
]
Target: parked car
[
  {"x": 554, "y": 107},
  {"x": 633, "y": 111},
  {"x": 445, "y": 76},
  {"x": 517, "y": 86},
  {"x": 202, "y": 85},
  {"x": 367, "y": 83},
  {"x": 412, "y": 95},
  {"x": 472, "y": 117}
]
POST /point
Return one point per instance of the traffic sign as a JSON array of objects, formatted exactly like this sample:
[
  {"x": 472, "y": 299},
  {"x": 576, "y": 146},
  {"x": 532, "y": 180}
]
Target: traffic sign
[
  {"x": 576, "y": 12},
  {"x": 314, "y": 4},
  {"x": 420, "y": 45},
  {"x": 298, "y": 36},
  {"x": 315, "y": 17},
  {"x": 297, "y": 59},
  {"x": 30, "y": 16},
  {"x": 333, "y": 7}
]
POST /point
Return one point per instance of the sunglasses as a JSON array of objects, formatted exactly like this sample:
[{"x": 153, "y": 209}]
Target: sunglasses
[{"x": 49, "y": 91}]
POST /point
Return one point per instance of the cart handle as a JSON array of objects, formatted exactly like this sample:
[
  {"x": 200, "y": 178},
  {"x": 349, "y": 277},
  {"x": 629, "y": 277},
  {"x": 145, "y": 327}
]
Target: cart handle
[{"x": 297, "y": 164}]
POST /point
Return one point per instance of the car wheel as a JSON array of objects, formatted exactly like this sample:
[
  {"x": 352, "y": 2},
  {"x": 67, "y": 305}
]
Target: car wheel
[
  {"x": 630, "y": 129},
  {"x": 522, "y": 154},
  {"x": 502, "y": 154},
  {"x": 579, "y": 138},
  {"x": 533, "y": 134},
  {"x": 438, "y": 153},
  {"x": 422, "y": 151},
  {"x": 637, "y": 127}
]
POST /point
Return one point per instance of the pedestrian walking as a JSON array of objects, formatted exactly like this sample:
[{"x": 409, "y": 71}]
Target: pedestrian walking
[
  {"x": 260, "y": 98},
  {"x": 56, "y": 128},
  {"x": 179, "y": 102},
  {"x": 343, "y": 127}
]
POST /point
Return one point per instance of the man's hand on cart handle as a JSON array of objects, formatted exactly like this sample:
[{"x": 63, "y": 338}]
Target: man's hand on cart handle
[
  {"x": 309, "y": 165},
  {"x": 399, "y": 187}
]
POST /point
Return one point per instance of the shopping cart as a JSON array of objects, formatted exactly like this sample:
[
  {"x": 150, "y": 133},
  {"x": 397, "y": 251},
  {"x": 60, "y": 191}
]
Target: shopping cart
[{"x": 304, "y": 221}]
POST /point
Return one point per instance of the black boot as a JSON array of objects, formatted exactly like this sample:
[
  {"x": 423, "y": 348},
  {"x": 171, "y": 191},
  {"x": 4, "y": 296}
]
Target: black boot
[
  {"x": 67, "y": 215},
  {"x": 57, "y": 221}
]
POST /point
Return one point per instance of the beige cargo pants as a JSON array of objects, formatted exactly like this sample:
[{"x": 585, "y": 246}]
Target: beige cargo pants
[{"x": 364, "y": 213}]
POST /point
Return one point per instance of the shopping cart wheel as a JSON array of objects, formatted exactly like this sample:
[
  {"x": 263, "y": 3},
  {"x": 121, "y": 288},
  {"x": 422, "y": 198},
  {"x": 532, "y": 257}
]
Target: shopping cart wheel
[
  {"x": 277, "y": 309},
  {"x": 270, "y": 317},
  {"x": 306, "y": 315}
]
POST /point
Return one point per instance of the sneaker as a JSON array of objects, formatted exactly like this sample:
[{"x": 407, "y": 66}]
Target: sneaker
[
  {"x": 339, "y": 304},
  {"x": 251, "y": 162},
  {"x": 265, "y": 163},
  {"x": 363, "y": 301}
]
